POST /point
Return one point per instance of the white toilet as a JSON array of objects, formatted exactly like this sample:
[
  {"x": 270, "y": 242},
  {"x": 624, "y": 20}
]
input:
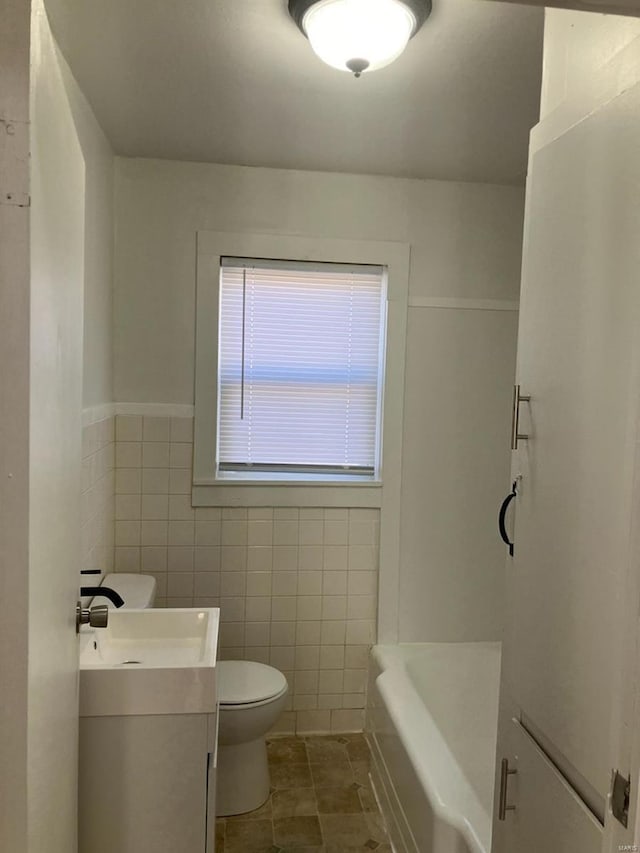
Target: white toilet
[{"x": 252, "y": 696}]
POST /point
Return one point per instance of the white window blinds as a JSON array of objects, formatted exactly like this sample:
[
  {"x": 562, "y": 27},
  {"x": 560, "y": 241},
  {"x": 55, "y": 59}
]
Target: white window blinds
[{"x": 301, "y": 350}]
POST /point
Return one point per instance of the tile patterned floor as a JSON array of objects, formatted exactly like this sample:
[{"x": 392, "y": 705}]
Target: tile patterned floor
[{"x": 321, "y": 802}]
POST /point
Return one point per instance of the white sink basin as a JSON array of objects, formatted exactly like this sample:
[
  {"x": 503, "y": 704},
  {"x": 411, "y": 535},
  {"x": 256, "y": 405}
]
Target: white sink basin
[{"x": 150, "y": 662}]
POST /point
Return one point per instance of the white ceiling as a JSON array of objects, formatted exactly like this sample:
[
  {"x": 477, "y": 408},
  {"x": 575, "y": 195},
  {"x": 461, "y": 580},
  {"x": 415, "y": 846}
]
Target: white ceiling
[{"x": 234, "y": 81}]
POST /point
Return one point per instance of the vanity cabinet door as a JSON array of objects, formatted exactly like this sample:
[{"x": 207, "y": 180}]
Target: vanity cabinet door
[{"x": 143, "y": 784}]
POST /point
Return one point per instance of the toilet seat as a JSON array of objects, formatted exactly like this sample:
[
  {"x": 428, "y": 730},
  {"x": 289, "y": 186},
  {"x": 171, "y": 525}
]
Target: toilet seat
[{"x": 243, "y": 683}]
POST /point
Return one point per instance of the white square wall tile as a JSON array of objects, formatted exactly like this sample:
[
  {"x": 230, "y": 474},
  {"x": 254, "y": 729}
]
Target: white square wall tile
[
  {"x": 234, "y": 513},
  {"x": 311, "y": 532},
  {"x": 127, "y": 507},
  {"x": 155, "y": 481},
  {"x": 305, "y": 702},
  {"x": 285, "y": 532},
  {"x": 310, "y": 583},
  {"x": 335, "y": 558},
  {"x": 305, "y": 681},
  {"x": 128, "y": 481},
  {"x": 128, "y": 454},
  {"x": 362, "y": 583},
  {"x": 258, "y": 608},
  {"x": 260, "y": 513},
  {"x": 180, "y": 533},
  {"x": 180, "y": 559},
  {"x": 309, "y": 607},
  {"x": 232, "y": 610},
  {"x": 155, "y": 455},
  {"x": 283, "y": 633},
  {"x": 127, "y": 559},
  {"x": 360, "y": 632},
  {"x": 233, "y": 558},
  {"x": 155, "y": 507},
  {"x": 336, "y": 533},
  {"x": 286, "y": 513},
  {"x": 234, "y": 532},
  {"x": 206, "y": 559},
  {"x": 330, "y": 700},
  {"x": 335, "y": 514},
  {"x": 334, "y": 583},
  {"x": 259, "y": 558},
  {"x": 333, "y": 632},
  {"x": 284, "y": 583},
  {"x": 154, "y": 559},
  {"x": 179, "y": 584},
  {"x": 363, "y": 558},
  {"x": 155, "y": 532},
  {"x": 233, "y": 584},
  {"x": 334, "y": 607},
  {"x": 307, "y": 657},
  {"x": 128, "y": 428},
  {"x": 127, "y": 533},
  {"x": 308, "y": 633},
  {"x": 353, "y": 700},
  {"x": 179, "y": 481},
  {"x": 313, "y": 722},
  {"x": 332, "y": 657},
  {"x": 330, "y": 681},
  {"x": 282, "y": 657},
  {"x": 207, "y": 584},
  {"x": 259, "y": 584},
  {"x": 181, "y": 430},
  {"x": 361, "y": 533},
  {"x": 347, "y": 721},
  {"x": 355, "y": 680},
  {"x": 285, "y": 558},
  {"x": 155, "y": 429},
  {"x": 180, "y": 455},
  {"x": 310, "y": 558},
  {"x": 257, "y": 634},
  {"x": 283, "y": 608},
  {"x": 180, "y": 508},
  {"x": 356, "y": 657},
  {"x": 260, "y": 533},
  {"x": 207, "y": 533},
  {"x": 361, "y": 607}
]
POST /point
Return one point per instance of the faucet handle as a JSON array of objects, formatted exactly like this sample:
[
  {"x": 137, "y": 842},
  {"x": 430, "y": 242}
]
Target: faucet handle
[{"x": 95, "y": 617}]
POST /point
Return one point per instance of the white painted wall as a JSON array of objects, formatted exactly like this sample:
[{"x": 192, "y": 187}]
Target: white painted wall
[
  {"x": 57, "y": 272},
  {"x": 465, "y": 243},
  {"x": 576, "y": 46},
  {"x": 97, "y": 384}
]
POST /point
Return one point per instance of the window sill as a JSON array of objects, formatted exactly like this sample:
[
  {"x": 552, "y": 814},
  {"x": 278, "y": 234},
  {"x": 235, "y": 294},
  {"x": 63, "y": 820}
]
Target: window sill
[{"x": 363, "y": 493}]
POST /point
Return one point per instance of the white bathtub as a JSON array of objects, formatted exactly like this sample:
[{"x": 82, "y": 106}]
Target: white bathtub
[{"x": 432, "y": 714}]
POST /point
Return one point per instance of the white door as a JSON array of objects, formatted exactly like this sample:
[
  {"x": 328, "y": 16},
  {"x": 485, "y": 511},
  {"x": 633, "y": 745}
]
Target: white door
[
  {"x": 568, "y": 651},
  {"x": 41, "y": 380}
]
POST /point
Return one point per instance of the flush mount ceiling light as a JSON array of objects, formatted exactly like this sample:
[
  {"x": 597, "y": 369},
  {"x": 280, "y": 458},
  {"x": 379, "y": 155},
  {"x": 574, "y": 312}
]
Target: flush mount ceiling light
[{"x": 359, "y": 35}]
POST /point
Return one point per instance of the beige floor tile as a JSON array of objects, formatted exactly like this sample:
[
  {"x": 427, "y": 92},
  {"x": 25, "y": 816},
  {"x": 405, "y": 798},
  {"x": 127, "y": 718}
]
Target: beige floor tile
[
  {"x": 303, "y": 831},
  {"x": 294, "y": 802},
  {"x": 344, "y": 800}
]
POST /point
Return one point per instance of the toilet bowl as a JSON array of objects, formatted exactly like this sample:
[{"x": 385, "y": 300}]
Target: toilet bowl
[{"x": 252, "y": 696}]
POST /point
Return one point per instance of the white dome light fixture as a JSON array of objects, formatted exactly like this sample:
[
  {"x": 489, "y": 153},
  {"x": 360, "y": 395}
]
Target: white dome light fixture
[{"x": 359, "y": 35}]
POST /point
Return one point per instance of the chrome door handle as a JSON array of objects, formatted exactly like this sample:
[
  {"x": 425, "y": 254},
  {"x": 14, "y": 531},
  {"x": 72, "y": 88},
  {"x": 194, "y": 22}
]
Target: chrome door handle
[
  {"x": 505, "y": 772},
  {"x": 96, "y": 617},
  {"x": 516, "y": 435}
]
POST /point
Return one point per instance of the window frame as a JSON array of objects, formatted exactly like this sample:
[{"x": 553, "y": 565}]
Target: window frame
[{"x": 210, "y": 490}]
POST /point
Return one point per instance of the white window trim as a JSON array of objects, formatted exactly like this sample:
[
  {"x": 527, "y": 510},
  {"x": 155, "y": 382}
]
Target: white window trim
[{"x": 209, "y": 491}]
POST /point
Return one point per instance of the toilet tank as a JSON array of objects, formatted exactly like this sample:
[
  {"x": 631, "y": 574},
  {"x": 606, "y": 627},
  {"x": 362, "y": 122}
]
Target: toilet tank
[{"x": 138, "y": 591}]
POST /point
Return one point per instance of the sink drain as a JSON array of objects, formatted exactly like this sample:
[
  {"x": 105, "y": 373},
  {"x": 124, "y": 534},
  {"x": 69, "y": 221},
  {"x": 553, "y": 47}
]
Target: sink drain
[{"x": 125, "y": 662}]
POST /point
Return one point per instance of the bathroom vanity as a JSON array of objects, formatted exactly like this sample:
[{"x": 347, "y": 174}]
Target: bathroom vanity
[{"x": 148, "y": 733}]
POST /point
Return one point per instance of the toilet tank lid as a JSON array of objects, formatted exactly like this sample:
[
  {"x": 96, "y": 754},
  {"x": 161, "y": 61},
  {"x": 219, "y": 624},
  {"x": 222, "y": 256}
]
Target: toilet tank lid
[
  {"x": 241, "y": 682},
  {"x": 138, "y": 591}
]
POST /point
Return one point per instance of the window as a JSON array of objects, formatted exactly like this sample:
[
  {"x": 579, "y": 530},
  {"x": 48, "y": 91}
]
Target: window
[
  {"x": 300, "y": 366},
  {"x": 299, "y": 371}
]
